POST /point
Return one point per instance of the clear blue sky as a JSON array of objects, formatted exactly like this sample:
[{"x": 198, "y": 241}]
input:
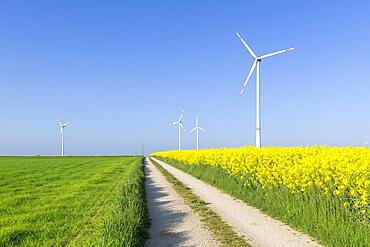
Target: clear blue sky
[{"x": 119, "y": 71}]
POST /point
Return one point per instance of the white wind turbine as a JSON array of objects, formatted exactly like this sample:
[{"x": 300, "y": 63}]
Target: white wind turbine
[
  {"x": 256, "y": 63},
  {"x": 180, "y": 126},
  {"x": 61, "y": 134},
  {"x": 197, "y": 128}
]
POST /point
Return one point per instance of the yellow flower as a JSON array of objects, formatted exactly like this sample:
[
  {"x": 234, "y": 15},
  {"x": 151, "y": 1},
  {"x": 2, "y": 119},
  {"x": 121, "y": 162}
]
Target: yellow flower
[{"x": 342, "y": 172}]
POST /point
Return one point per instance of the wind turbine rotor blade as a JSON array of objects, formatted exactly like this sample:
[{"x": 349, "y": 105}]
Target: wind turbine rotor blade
[
  {"x": 246, "y": 45},
  {"x": 202, "y": 129},
  {"x": 174, "y": 123},
  {"x": 192, "y": 129},
  {"x": 181, "y": 125},
  {"x": 182, "y": 114},
  {"x": 275, "y": 53},
  {"x": 60, "y": 123},
  {"x": 249, "y": 76}
]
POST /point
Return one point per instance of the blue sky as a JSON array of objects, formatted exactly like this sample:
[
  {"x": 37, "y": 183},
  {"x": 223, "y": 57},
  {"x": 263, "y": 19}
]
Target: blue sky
[{"x": 119, "y": 71}]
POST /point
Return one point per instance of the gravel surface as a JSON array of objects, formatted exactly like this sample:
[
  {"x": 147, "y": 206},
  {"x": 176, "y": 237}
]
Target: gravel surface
[
  {"x": 258, "y": 228},
  {"x": 173, "y": 223}
]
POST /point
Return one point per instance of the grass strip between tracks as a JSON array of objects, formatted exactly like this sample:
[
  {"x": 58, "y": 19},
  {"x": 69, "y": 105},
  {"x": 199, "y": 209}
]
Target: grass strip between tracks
[{"x": 219, "y": 229}]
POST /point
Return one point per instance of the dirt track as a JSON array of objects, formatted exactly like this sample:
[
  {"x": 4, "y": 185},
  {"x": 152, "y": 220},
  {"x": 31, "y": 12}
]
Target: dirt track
[
  {"x": 259, "y": 229},
  {"x": 173, "y": 223}
]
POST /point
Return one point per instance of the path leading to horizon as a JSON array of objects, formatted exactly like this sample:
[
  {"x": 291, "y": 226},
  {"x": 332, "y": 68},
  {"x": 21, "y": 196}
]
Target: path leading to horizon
[
  {"x": 258, "y": 228},
  {"x": 173, "y": 223}
]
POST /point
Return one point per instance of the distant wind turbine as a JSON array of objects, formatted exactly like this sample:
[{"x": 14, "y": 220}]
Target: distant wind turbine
[
  {"x": 197, "y": 128},
  {"x": 61, "y": 134},
  {"x": 180, "y": 126},
  {"x": 256, "y": 63}
]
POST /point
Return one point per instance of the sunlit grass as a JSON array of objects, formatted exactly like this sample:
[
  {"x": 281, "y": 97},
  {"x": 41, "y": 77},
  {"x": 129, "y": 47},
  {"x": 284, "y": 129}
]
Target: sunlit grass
[{"x": 64, "y": 201}]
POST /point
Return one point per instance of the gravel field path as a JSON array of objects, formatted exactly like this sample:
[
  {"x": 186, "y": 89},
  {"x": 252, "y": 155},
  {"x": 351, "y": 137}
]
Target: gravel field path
[
  {"x": 258, "y": 229},
  {"x": 173, "y": 223}
]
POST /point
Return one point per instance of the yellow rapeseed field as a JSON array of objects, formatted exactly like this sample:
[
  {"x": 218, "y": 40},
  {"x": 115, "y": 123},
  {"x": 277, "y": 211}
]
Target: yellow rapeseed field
[{"x": 343, "y": 172}]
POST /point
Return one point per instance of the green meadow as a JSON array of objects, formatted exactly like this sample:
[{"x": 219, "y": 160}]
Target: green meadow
[{"x": 72, "y": 201}]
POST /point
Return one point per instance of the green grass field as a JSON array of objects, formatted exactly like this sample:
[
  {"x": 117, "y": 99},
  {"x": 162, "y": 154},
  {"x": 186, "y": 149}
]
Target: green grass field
[{"x": 72, "y": 201}]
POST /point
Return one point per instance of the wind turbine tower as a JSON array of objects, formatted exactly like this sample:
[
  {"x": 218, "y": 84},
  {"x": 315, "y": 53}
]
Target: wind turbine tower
[
  {"x": 180, "y": 126},
  {"x": 197, "y": 128},
  {"x": 61, "y": 134}
]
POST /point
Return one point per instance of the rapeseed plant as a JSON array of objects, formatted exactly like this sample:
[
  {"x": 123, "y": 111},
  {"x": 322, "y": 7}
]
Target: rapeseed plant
[{"x": 344, "y": 172}]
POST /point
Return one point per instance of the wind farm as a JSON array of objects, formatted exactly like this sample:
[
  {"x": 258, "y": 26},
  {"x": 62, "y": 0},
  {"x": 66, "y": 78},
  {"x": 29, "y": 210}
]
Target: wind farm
[{"x": 161, "y": 148}]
